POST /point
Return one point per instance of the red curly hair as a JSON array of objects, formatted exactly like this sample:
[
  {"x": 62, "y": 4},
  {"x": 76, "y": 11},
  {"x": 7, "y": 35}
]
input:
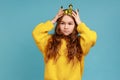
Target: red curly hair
[{"x": 72, "y": 42}]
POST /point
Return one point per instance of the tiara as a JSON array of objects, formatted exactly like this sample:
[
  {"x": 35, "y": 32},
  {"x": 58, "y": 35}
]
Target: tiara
[{"x": 69, "y": 10}]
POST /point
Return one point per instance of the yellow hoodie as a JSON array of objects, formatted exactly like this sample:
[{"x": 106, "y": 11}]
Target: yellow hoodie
[{"x": 61, "y": 70}]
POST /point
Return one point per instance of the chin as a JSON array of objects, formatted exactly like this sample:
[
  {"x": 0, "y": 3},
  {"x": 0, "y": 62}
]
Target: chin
[{"x": 66, "y": 34}]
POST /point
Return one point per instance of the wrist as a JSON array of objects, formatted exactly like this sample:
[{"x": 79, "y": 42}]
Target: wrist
[
  {"x": 53, "y": 21},
  {"x": 79, "y": 22}
]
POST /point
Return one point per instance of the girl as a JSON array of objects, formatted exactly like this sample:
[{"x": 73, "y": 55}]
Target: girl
[{"x": 64, "y": 51}]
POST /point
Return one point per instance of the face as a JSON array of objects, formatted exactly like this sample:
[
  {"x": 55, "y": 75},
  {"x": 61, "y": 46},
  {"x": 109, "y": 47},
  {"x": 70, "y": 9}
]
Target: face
[{"x": 67, "y": 25}]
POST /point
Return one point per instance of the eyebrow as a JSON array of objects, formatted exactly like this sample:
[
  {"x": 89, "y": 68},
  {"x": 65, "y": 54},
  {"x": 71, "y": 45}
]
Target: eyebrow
[{"x": 69, "y": 21}]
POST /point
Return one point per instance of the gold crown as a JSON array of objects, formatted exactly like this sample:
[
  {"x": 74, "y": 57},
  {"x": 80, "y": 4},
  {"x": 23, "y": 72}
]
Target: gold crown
[{"x": 69, "y": 10}]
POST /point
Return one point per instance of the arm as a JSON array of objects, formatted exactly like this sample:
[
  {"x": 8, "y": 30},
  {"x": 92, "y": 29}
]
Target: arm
[
  {"x": 40, "y": 34},
  {"x": 87, "y": 37}
]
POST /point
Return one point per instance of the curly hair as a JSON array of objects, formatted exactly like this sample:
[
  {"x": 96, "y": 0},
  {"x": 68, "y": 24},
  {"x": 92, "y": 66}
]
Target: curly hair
[{"x": 72, "y": 42}]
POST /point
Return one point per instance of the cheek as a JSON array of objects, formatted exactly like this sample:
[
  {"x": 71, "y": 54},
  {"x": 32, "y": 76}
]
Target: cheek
[
  {"x": 61, "y": 27},
  {"x": 72, "y": 28}
]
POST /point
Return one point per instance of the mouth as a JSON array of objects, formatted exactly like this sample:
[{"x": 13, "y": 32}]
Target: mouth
[{"x": 66, "y": 31}]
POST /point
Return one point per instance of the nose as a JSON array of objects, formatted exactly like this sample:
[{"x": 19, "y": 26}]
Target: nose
[{"x": 66, "y": 26}]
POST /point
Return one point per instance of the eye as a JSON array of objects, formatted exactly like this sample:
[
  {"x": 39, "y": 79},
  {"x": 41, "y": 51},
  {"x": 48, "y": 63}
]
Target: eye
[
  {"x": 70, "y": 23},
  {"x": 62, "y": 23}
]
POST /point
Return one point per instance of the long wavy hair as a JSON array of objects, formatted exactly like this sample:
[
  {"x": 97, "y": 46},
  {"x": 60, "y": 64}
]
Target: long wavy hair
[{"x": 72, "y": 43}]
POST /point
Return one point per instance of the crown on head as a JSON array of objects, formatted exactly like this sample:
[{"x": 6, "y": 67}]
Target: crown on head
[{"x": 69, "y": 10}]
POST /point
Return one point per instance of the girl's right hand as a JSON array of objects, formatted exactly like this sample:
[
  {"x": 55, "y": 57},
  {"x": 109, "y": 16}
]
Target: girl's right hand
[{"x": 59, "y": 14}]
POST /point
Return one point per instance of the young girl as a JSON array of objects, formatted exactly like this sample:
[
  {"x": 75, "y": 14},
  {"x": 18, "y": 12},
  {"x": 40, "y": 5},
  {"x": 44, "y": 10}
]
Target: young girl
[{"x": 64, "y": 51}]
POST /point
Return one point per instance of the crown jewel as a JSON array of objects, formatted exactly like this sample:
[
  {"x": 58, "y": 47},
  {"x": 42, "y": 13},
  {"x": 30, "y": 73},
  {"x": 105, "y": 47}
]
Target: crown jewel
[{"x": 69, "y": 10}]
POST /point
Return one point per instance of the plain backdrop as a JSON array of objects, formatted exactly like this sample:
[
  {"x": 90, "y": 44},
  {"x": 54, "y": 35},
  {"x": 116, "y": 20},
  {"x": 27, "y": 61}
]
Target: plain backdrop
[{"x": 20, "y": 59}]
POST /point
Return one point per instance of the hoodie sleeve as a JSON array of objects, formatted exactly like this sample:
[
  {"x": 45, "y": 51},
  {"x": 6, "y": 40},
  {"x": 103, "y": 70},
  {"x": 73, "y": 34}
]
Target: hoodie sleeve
[
  {"x": 41, "y": 36},
  {"x": 87, "y": 37}
]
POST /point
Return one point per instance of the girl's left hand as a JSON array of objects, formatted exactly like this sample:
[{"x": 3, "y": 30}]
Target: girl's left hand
[{"x": 76, "y": 16}]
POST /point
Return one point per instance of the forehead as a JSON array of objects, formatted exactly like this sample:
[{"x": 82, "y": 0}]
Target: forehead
[{"x": 67, "y": 18}]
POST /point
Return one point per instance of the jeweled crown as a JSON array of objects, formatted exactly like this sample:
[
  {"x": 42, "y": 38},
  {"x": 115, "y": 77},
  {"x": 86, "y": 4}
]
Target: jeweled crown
[{"x": 69, "y": 10}]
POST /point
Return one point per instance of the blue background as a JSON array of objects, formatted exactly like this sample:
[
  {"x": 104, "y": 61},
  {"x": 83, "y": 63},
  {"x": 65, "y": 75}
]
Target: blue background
[{"x": 20, "y": 58}]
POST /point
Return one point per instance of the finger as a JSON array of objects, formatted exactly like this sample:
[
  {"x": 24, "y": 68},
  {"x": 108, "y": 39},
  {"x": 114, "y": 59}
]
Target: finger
[
  {"x": 77, "y": 11},
  {"x": 61, "y": 13},
  {"x": 74, "y": 16},
  {"x": 73, "y": 13},
  {"x": 60, "y": 10}
]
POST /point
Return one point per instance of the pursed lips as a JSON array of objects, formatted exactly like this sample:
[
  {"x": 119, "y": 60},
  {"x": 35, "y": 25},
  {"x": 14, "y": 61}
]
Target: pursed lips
[{"x": 66, "y": 31}]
